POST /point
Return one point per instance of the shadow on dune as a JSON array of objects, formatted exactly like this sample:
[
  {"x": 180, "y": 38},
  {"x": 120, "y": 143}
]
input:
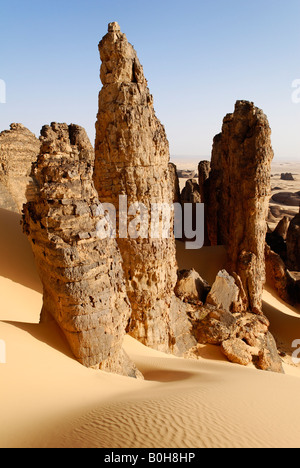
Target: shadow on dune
[
  {"x": 48, "y": 333},
  {"x": 16, "y": 257},
  {"x": 167, "y": 376}
]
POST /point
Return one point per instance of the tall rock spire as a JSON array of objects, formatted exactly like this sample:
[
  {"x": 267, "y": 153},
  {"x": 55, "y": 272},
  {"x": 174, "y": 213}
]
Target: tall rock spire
[
  {"x": 239, "y": 195},
  {"x": 132, "y": 156},
  {"x": 83, "y": 283}
]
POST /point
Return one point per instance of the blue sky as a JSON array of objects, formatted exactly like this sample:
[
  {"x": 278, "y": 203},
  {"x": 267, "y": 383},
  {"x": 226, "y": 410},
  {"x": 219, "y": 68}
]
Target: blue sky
[{"x": 199, "y": 57}]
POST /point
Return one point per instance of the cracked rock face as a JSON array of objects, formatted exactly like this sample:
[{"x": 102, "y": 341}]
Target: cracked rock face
[
  {"x": 132, "y": 159},
  {"x": 84, "y": 287},
  {"x": 19, "y": 148},
  {"x": 239, "y": 196}
]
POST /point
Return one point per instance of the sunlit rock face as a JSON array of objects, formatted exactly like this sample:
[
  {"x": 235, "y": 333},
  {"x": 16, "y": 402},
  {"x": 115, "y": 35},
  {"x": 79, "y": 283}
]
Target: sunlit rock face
[
  {"x": 132, "y": 159},
  {"x": 239, "y": 195},
  {"x": 83, "y": 283}
]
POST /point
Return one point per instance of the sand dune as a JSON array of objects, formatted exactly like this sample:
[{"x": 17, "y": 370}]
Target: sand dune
[{"x": 49, "y": 400}]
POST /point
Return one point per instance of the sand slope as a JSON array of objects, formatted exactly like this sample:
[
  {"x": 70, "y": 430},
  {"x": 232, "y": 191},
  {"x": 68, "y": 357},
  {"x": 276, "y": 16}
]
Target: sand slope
[{"x": 49, "y": 400}]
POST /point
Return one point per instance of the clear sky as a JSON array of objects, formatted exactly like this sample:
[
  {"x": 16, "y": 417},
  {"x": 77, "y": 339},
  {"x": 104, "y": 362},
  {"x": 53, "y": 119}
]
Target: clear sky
[{"x": 199, "y": 57}]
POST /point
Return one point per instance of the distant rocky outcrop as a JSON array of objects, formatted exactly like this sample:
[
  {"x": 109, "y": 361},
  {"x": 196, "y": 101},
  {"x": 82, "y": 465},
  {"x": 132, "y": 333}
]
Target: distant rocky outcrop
[
  {"x": 80, "y": 268},
  {"x": 239, "y": 196},
  {"x": 19, "y": 148},
  {"x": 132, "y": 159},
  {"x": 287, "y": 176},
  {"x": 186, "y": 174}
]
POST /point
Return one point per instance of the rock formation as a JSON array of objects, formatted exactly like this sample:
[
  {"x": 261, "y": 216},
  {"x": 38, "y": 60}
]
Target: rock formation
[
  {"x": 18, "y": 150},
  {"x": 204, "y": 169},
  {"x": 174, "y": 182},
  {"x": 244, "y": 337},
  {"x": 293, "y": 244},
  {"x": 276, "y": 274},
  {"x": 239, "y": 196},
  {"x": 287, "y": 176},
  {"x": 132, "y": 157},
  {"x": 191, "y": 192},
  {"x": 80, "y": 268}
]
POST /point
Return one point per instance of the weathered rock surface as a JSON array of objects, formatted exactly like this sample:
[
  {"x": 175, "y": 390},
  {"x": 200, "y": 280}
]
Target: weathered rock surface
[
  {"x": 132, "y": 159},
  {"x": 239, "y": 196},
  {"x": 81, "y": 271},
  {"x": 19, "y": 148},
  {"x": 293, "y": 244}
]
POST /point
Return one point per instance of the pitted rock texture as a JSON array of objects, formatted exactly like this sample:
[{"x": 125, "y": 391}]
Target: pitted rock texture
[
  {"x": 239, "y": 195},
  {"x": 83, "y": 283},
  {"x": 19, "y": 148},
  {"x": 132, "y": 159}
]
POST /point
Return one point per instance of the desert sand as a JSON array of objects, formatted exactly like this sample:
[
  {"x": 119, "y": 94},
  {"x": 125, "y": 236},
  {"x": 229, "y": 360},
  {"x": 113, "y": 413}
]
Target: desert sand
[{"x": 49, "y": 400}]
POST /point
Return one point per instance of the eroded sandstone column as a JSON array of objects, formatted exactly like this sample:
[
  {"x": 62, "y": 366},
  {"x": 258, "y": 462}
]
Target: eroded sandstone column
[
  {"x": 132, "y": 156},
  {"x": 239, "y": 195},
  {"x": 84, "y": 287},
  {"x": 18, "y": 150}
]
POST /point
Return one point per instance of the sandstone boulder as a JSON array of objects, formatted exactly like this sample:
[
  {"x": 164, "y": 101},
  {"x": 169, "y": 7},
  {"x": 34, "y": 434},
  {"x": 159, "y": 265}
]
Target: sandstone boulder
[
  {"x": 191, "y": 287},
  {"x": 224, "y": 292},
  {"x": 237, "y": 351}
]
